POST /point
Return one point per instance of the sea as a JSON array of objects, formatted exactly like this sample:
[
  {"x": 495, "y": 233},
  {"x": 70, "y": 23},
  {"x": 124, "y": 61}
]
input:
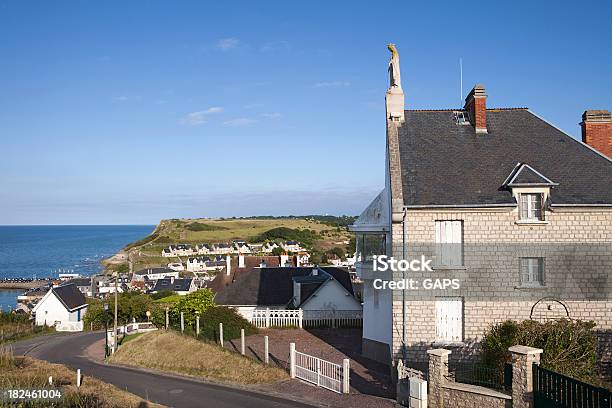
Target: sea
[{"x": 46, "y": 251}]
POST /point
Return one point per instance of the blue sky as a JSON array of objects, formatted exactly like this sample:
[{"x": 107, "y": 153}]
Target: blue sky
[{"x": 128, "y": 112}]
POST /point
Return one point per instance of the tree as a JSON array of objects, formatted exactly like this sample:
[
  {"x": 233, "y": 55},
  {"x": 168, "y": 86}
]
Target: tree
[
  {"x": 198, "y": 301},
  {"x": 339, "y": 252},
  {"x": 278, "y": 251}
]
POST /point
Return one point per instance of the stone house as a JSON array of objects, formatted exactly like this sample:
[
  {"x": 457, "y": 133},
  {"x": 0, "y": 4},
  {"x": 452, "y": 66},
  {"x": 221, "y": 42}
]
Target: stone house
[{"x": 518, "y": 212}]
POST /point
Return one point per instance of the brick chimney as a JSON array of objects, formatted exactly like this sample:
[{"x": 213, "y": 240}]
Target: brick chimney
[
  {"x": 597, "y": 130},
  {"x": 476, "y": 105}
]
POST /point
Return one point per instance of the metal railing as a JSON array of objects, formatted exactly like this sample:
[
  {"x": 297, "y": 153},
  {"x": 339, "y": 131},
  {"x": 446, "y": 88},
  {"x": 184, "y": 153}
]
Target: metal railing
[
  {"x": 477, "y": 374},
  {"x": 322, "y": 373},
  {"x": 554, "y": 390}
]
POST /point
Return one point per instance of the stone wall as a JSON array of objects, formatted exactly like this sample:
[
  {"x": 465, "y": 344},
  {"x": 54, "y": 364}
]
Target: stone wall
[
  {"x": 576, "y": 245},
  {"x": 469, "y": 396},
  {"x": 444, "y": 393}
]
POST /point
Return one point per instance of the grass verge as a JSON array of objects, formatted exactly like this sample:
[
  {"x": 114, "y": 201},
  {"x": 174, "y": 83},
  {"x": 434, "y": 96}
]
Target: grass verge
[
  {"x": 29, "y": 373},
  {"x": 171, "y": 352}
]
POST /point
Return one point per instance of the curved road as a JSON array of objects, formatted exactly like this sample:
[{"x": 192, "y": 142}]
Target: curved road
[{"x": 166, "y": 390}]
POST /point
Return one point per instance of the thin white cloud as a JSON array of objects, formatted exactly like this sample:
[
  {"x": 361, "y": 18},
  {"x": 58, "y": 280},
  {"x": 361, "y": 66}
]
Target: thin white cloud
[
  {"x": 272, "y": 115},
  {"x": 239, "y": 122},
  {"x": 332, "y": 84},
  {"x": 276, "y": 46},
  {"x": 226, "y": 44},
  {"x": 121, "y": 98},
  {"x": 199, "y": 117}
]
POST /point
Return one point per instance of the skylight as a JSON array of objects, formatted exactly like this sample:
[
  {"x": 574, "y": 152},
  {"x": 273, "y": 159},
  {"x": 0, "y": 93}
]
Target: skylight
[{"x": 461, "y": 117}]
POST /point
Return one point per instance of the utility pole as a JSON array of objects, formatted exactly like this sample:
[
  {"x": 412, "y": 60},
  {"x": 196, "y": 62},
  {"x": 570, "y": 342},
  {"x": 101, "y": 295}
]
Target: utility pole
[
  {"x": 105, "y": 330},
  {"x": 115, "y": 342}
]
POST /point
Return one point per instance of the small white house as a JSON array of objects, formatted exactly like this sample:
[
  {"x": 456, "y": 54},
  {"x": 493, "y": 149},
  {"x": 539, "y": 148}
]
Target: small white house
[
  {"x": 268, "y": 247},
  {"x": 176, "y": 266},
  {"x": 63, "y": 307},
  {"x": 203, "y": 249},
  {"x": 292, "y": 246}
]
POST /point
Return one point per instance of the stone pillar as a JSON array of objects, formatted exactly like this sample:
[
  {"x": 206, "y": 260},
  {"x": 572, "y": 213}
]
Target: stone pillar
[
  {"x": 523, "y": 358},
  {"x": 438, "y": 371}
]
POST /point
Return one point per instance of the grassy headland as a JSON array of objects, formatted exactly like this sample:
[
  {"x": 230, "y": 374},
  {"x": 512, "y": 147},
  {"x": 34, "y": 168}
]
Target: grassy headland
[{"x": 318, "y": 233}]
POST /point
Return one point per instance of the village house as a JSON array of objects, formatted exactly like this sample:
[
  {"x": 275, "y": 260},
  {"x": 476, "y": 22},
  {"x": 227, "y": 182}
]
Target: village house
[
  {"x": 334, "y": 259},
  {"x": 178, "y": 250},
  {"x": 83, "y": 284},
  {"x": 222, "y": 248},
  {"x": 268, "y": 247},
  {"x": 513, "y": 208},
  {"x": 176, "y": 266},
  {"x": 197, "y": 264},
  {"x": 203, "y": 249},
  {"x": 241, "y": 247},
  {"x": 154, "y": 274},
  {"x": 292, "y": 246},
  {"x": 63, "y": 307},
  {"x": 302, "y": 259},
  {"x": 240, "y": 266},
  {"x": 182, "y": 286},
  {"x": 312, "y": 289}
]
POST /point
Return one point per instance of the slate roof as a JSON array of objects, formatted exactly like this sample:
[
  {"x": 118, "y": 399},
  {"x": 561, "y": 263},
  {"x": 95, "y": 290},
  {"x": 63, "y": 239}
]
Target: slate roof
[
  {"x": 178, "y": 285},
  {"x": 274, "y": 286},
  {"x": 525, "y": 175},
  {"x": 148, "y": 271},
  {"x": 447, "y": 164},
  {"x": 70, "y": 296},
  {"x": 222, "y": 280},
  {"x": 80, "y": 281}
]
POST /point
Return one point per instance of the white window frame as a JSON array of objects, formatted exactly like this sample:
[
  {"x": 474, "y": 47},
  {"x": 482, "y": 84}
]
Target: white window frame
[
  {"x": 449, "y": 243},
  {"x": 531, "y": 272},
  {"x": 449, "y": 320},
  {"x": 529, "y": 210}
]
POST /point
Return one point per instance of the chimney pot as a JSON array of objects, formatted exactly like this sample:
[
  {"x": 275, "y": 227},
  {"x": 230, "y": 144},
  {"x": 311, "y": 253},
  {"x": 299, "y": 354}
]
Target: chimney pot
[
  {"x": 476, "y": 105},
  {"x": 597, "y": 130}
]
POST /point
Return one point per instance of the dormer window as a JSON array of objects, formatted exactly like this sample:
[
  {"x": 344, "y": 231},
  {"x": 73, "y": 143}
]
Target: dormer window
[
  {"x": 530, "y": 206},
  {"x": 532, "y": 190}
]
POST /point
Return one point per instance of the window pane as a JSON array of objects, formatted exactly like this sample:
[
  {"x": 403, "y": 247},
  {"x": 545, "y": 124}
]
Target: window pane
[
  {"x": 531, "y": 271},
  {"x": 530, "y": 207}
]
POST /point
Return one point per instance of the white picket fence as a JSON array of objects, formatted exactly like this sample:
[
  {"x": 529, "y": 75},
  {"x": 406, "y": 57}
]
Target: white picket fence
[
  {"x": 322, "y": 373},
  {"x": 263, "y": 318},
  {"x": 333, "y": 318}
]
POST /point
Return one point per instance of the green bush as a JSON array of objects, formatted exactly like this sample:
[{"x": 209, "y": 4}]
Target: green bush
[
  {"x": 198, "y": 301},
  {"x": 569, "y": 345},
  {"x": 232, "y": 323},
  {"x": 162, "y": 294},
  {"x": 304, "y": 236},
  {"x": 198, "y": 226}
]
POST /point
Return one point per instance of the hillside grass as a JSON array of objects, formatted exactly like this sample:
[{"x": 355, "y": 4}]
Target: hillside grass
[
  {"x": 29, "y": 373},
  {"x": 171, "y": 352},
  {"x": 229, "y": 229}
]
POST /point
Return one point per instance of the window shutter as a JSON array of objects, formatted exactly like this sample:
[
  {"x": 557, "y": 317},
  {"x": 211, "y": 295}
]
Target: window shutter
[
  {"x": 449, "y": 243},
  {"x": 449, "y": 319}
]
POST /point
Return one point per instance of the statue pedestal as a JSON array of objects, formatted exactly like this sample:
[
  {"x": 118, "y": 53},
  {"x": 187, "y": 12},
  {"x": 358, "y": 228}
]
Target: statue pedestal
[{"x": 395, "y": 104}]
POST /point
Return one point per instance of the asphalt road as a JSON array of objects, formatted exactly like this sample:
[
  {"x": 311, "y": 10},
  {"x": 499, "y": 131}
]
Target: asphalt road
[{"x": 170, "y": 391}]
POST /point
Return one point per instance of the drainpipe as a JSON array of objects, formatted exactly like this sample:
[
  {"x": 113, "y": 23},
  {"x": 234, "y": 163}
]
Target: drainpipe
[{"x": 404, "y": 250}]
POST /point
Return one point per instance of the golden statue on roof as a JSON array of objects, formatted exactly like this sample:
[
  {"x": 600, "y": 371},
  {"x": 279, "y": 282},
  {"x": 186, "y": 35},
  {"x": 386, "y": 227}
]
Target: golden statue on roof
[{"x": 394, "y": 68}]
